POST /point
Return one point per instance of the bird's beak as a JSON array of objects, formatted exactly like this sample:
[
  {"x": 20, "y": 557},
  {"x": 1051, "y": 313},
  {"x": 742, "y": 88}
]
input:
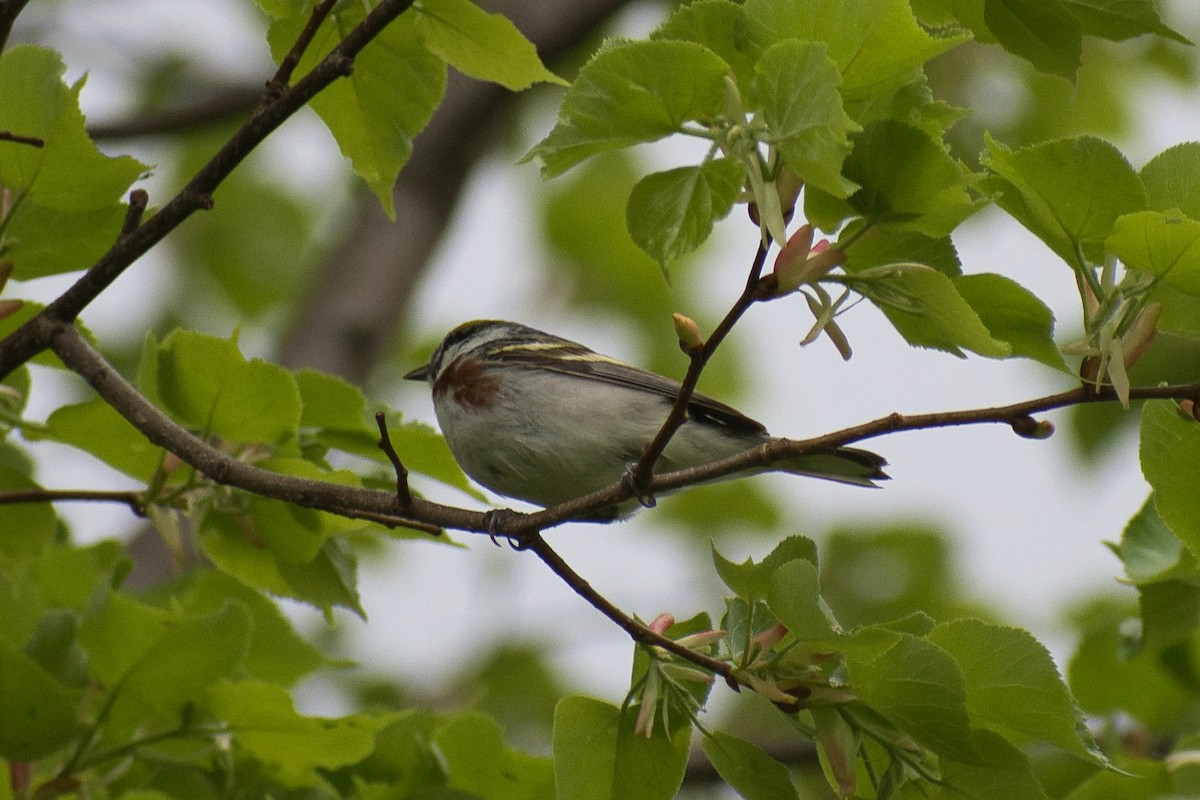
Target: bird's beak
[{"x": 421, "y": 373}]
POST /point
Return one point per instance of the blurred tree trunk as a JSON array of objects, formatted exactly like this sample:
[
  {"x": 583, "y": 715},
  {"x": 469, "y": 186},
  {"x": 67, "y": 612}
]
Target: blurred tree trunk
[{"x": 359, "y": 299}]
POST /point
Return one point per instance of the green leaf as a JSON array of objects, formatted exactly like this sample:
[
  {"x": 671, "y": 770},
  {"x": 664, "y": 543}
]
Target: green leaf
[
  {"x": 719, "y": 26},
  {"x": 671, "y": 213},
  {"x": 1172, "y": 180},
  {"x": 1107, "y": 676},
  {"x": 1170, "y": 451},
  {"x": 794, "y": 597},
  {"x": 1151, "y": 552},
  {"x": 919, "y": 687},
  {"x": 38, "y": 712},
  {"x": 27, "y": 528},
  {"x": 748, "y": 770},
  {"x": 1141, "y": 779},
  {"x": 425, "y": 451},
  {"x": 481, "y": 764},
  {"x": 597, "y": 756},
  {"x": 796, "y": 86},
  {"x": 1170, "y": 613},
  {"x": 485, "y": 46},
  {"x": 877, "y": 247},
  {"x": 66, "y": 576},
  {"x": 909, "y": 183},
  {"x": 66, "y": 195},
  {"x": 260, "y": 248},
  {"x": 95, "y": 427},
  {"x": 158, "y": 660},
  {"x": 632, "y": 92},
  {"x": 291, "y": 746},
  {"x": 1121, "y": 19},
  {"x": 1013, "y": 685},
  {"x": 328, "y": 401},
  {"x": 998, "y": 771},
  {"x": 208, "y": 385},
  {"x": 877, "y": 44},
  {"x": 1166, "y": 245},
  {"x": 293, "y": 534},
  {"x": 55, "y": 647},
  {"x": 750, "y": 580},
  {"x": 403, "y": 757},
  {"x": 928, "y": 311},
  {"x": 373, "y": 123},
  {"x": 1013, "y": 314},
  {"x": 328, "y": 580},
  {"x": 912, "y": 104},
  {"x": 1042, "y": 32},
  {"x": 276, "y": 652},
  {"x": 1068, "y": 192}
]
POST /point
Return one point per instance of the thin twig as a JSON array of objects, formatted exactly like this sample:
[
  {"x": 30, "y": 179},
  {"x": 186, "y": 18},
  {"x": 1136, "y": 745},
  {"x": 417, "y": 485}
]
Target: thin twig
[
  {"x": 642, "y": 471},
  {"x": 403, "y": 493},
  {"x": 637, "y": 631},
  {"x": 32, "y": 141},
  {"x": 134, "y": 500},
  {"x": 138, "y": 200},
  {"x": 393, "y": 521},
  {"x": 283, "y": 76}
]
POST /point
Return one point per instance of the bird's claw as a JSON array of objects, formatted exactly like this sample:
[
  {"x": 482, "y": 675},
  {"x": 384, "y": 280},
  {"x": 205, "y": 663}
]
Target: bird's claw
[
  {"x": 494, "y": 519},
  {"x": 638, "y": 487}
]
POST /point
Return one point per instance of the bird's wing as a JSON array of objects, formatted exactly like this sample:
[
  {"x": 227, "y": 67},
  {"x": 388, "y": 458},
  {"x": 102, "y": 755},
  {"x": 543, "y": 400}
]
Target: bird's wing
[{"x": 569, "y": 358}]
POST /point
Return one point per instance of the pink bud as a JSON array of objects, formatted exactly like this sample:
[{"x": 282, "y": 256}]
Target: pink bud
[
  {"x": 791, "y": 259},
  {"x": 701, "y": 639},
  {"x": 800, "y": 261},
  {"x": 770, "y": 637},
  {"x": 10, "y": 307},
  {"x": 840, "y": 744},
  {"x": 1141, "y": 333},
  {"x": 661, "y": 623}
]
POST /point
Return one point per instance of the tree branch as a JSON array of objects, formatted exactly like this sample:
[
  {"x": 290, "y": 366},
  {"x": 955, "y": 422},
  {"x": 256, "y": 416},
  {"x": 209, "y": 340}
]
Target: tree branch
[
  {"x": 644, "y": 469},
  {"x": 636, "y": 630},
  {"x": 9, "y": 10},
  {"x": 134, "y": 500},
  {"x": 403, "y": 493},
  {"x": 224, "y": 104},
  {"x": 32, "y": 141},
  {"x": 287, "y": 65},
  {"x": 29, "y": 339},
  {"x": 523, "y": 529},
  {"x": 69, "y": 345}
]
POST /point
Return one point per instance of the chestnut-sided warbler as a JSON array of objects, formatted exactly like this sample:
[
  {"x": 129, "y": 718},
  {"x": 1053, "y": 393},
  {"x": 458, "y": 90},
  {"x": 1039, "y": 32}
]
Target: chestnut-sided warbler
[{"x": 543, "y": 419}]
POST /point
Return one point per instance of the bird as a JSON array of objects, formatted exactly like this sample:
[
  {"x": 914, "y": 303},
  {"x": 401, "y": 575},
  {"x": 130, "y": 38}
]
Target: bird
[{"x": 543, "y": 419}]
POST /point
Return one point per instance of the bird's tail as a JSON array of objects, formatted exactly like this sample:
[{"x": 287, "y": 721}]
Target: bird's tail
[{"x": 844, "y": 465}]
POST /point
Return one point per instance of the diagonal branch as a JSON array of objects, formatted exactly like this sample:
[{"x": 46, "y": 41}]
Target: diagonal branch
[
  {"x": 287, "y": 65},
  {"x": 636, "y": 630},
  {"x": 642, "y": 471},
  {"x": 29, "y": 339},
  {"x": 9, "y": 9}
]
